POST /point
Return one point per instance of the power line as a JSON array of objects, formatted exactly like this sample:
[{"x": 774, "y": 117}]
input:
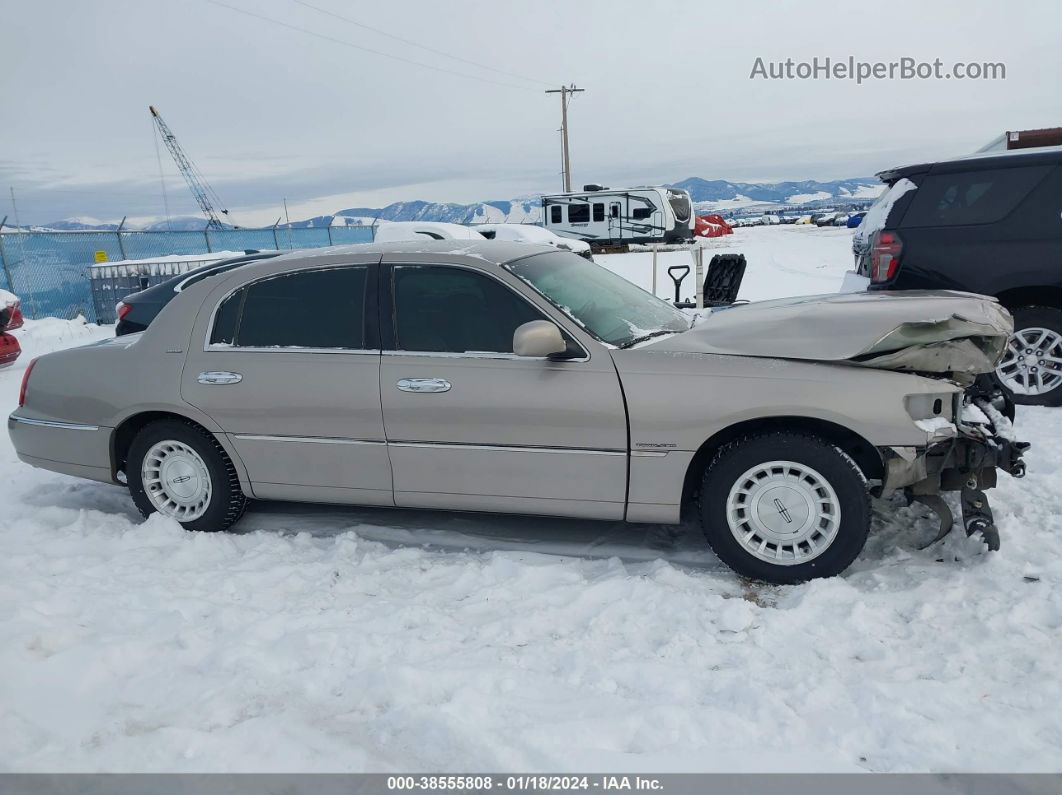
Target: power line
[
  {"x": 420, "y": 46},
  {"x": 353, "y": 46}
]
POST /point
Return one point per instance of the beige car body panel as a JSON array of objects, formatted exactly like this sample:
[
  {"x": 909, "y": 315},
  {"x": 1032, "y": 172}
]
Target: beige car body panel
[
  {"x": 511, "y": 434},
  {"x": 305, "y": 422}
]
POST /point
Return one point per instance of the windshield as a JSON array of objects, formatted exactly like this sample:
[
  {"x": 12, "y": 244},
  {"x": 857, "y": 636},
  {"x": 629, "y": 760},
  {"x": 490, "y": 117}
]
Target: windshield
[{"x": 608, "y": 306}]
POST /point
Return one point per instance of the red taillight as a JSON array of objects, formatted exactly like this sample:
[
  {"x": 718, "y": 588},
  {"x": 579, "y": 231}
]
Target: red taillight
[
  {"x": 25, "y": 383},
  {"x": 885, "y": 250},
  {"x": 121, "y": 309}
]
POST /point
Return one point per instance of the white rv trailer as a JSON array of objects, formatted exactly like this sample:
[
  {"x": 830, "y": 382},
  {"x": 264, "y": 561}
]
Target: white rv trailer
[{"x": 652, "y": 214}]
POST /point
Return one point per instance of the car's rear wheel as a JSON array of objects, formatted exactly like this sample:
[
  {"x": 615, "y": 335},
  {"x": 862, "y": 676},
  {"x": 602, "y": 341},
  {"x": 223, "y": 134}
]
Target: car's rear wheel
[
  {"x": 1031, "y": 368},
  {"x": 784, "y": 507},
  {"x": 179, "y": 470}
]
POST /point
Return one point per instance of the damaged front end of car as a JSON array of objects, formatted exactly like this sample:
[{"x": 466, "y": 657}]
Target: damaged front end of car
[
  {"x": 955, "y": 339},
  {"x": 964, "y": 455}
]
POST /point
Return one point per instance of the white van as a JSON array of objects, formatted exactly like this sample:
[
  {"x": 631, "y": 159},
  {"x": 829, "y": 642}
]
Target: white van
[
  {"x": 392, "y": 231},
  {"x": 531, "y": 233}
]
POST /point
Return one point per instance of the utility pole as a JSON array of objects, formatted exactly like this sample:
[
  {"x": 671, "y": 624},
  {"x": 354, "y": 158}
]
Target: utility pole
[
  {"x": 287, "y": 219},
  {"x": 565, "y": 95}
]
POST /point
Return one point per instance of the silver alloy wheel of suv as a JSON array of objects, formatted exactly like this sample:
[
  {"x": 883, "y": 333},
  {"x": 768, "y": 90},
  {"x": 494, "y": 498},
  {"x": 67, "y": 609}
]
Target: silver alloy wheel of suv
[{"x": 1032, "y": 364}]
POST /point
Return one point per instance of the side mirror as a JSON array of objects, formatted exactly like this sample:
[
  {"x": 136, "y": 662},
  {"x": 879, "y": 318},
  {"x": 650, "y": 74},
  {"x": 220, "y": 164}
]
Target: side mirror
[{"x": 538, "y": 338}]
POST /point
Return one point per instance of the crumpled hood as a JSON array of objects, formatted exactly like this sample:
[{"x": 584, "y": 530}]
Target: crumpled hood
[{"x": 957, "y": 334}]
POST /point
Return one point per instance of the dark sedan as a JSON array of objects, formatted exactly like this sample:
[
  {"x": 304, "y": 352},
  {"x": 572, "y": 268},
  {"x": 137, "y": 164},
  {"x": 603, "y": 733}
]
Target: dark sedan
[{"x": 135, "y": 312}]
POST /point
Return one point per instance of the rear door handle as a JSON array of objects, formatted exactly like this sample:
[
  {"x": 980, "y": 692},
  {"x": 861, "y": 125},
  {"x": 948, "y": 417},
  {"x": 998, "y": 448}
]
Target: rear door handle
[
  {"x": 219, "y": 377},
  {"x": 424, "y": 385}
]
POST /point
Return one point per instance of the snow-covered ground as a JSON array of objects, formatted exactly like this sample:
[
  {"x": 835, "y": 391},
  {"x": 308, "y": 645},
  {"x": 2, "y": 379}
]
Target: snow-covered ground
[
  {"x": 783, "y": 260},
  {"x": 339, "y": 639}
]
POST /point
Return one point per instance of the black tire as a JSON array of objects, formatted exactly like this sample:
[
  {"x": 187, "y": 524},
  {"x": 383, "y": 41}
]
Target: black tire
[
  {"x": 227, "y": 500},
  {"x": 1044, "y": 317},
  {"x": 838, "y": 471}
]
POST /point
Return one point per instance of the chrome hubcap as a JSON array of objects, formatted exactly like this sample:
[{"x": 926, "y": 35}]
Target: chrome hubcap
[
  {"x": 783, "y": 512},
  {"x": 1032, "y": 364},
  {"x": 176, "y": 481}
]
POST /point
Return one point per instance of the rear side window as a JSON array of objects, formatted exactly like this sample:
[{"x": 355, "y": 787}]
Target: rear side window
[
  {"x": 578, "y": 213},
  {"x": 555, "y": 214},
  {"x": 599, "y": 212},
  {"x": 973, "y": 197},
  {"x": 308, "y": 309}
]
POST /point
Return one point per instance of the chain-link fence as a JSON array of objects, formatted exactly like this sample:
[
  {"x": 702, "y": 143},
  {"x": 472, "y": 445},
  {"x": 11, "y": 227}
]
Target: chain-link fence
[{"x": 49, "y": 270}]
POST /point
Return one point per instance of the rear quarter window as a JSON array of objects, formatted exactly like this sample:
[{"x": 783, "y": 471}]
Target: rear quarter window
[{"x": 971, "y": 197}]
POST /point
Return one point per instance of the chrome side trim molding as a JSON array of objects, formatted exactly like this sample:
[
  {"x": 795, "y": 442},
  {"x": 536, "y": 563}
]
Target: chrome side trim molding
[
  {"x": 506, "y": 448},
  {"x": 218, "y": 347},
  {"x": 648, "y": 453},
  {"x": 509, "y": 357},
  {"x": 255, "y": 437},
  {"x": 66, "y": 426}
]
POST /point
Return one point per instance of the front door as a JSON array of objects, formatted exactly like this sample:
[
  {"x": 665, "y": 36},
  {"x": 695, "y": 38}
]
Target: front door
[
  {"x": 288, "y": 370},
  {"x": 472, "y": 426}
]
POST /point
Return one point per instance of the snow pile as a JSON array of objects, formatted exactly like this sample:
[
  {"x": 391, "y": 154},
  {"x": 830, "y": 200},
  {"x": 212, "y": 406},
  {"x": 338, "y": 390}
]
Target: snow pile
[
  {"x": 804, "y": 198},
  {"x": 323, "y": 638}
]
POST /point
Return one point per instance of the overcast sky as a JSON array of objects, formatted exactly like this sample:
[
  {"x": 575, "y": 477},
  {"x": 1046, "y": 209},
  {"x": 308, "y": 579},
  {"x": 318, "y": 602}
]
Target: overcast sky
[{"x": 268, "y": 111}]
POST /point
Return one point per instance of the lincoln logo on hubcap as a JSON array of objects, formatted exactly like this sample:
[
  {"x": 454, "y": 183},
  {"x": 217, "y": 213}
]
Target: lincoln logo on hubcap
[
  {"x": 783, "y": 511},
  {"x": 184, "y": 478}
]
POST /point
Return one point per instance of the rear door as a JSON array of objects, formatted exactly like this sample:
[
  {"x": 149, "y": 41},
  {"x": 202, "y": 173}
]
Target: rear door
[
  {"x": 472, "y": 426},
  {"x": 288, "y": 364}
]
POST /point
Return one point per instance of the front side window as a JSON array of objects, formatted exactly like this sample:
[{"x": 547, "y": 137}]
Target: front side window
[
  {"x": 555, "y": 214},
  {"x": 972, "y": 197},
  {"x": 640, "y": 213},
  {"x": 578, "y": 213},
  {"x": 599, "y": 212},
  {"x": 455, "y": 310},
  {"x": 309, "y": 309},
  {"x": 608, "y": 306}
]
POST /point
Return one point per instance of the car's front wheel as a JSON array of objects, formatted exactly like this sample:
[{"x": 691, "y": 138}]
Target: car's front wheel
[
  {"x": 784, "y": 507},
  {"x": 181, "y": 471},
  {"x": 1031, "y": 368}
]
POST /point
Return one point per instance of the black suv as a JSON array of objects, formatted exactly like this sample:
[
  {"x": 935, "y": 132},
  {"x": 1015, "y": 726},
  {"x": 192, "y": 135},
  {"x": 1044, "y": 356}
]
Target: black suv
[{"x": 989, "y": 223}]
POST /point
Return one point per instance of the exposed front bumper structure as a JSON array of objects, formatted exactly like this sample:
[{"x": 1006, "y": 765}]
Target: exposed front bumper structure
[{"x": 968, "y": 463}]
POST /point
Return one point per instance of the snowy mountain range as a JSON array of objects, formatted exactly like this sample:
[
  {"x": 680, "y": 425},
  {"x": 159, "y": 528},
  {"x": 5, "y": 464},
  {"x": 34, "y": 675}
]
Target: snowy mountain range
[
  {"x": 805, "y": 192},
  {"x": 708, "y": 195}
]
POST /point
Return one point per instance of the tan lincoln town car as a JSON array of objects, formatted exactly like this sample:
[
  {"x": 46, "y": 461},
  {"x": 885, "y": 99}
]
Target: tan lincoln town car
[{"x": 513, "y": 378}]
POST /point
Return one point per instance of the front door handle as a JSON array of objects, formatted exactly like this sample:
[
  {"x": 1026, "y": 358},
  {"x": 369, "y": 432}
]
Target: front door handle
[
  {"x": 219, "y": 377},
  {"x": 424, "y": 385}
]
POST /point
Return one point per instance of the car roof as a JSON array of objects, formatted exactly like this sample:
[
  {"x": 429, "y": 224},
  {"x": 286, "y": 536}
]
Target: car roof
[{"x": 978, "y": 161}]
